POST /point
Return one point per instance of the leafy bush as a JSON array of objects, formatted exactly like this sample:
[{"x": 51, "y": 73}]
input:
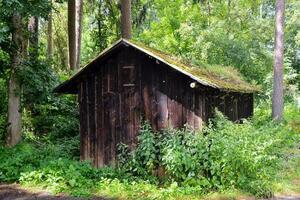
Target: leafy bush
[
  {"x": 27, "y": 157},
  {"x": 61, "y": 175},
  {"x": 65, "y": 175},
  {"x": 3, "y": 103},
  {"x": 224, "y": 156},
  {"x": 46, "y": 113},
  {"x": 142, "y": 160}
]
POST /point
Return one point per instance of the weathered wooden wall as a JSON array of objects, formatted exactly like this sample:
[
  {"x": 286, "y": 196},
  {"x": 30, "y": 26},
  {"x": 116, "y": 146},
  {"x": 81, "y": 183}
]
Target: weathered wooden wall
[{"x": 128, "y": 87}]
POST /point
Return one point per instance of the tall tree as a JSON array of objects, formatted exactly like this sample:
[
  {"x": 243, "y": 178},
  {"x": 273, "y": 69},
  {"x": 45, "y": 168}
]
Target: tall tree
[
  {"x": 72, "y": 33},
  {"x": 79, "y": 14},
  {"x": 14, "y": 127},
  {"x": 126, "y": 18},
  {"x": 277, "y": 101},
  {"x": 50, "y": 36},
  {"x": 33, "y": 27}
]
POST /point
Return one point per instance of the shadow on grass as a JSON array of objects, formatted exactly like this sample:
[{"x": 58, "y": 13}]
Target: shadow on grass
[{"x": 14, "y": 192}]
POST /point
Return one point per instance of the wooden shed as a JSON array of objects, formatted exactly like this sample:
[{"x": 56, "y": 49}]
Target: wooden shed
[{"x": 130, "y": 82}]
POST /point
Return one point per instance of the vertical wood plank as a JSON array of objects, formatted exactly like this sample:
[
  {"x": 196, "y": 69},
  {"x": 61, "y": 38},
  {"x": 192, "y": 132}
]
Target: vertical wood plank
[
  {"x": 82, "y": 120},
  {"x": 87, "y": 139},
  {"x": 198, "y": 110},
  {"x": 99, "y": 132},
  {"x": 251, "y": 102},
  {"x": 191, "y": 109},
  {"x": 91, "y": 117},
  {"x": 235, "y": 107},
  {"x": 162, "y": 109},
  {"x": 137, "y": 95},
  {"x": 154, "y": 103},
  {"x": 96, "y": 107},
  {"x": 174, "y": 98},
  {"x": 162, "y": 101}
]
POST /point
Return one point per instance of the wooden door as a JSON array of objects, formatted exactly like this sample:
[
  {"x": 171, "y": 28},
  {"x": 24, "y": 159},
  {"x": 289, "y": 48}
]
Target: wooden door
[{"x": 129, "y": 87}]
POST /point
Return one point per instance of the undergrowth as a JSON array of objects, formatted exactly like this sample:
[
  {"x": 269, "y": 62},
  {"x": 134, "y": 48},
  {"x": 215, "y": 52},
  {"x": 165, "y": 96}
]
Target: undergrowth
[{"x": 175, "y": 164}]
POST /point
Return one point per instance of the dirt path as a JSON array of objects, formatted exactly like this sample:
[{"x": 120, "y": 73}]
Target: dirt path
[
  {"x": 14, "y": 192},
  {"x": 286, "y": 198}
]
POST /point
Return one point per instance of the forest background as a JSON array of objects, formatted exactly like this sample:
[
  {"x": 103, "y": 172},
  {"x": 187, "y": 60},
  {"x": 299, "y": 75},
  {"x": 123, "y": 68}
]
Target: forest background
[{"x": 236, "y": 35}]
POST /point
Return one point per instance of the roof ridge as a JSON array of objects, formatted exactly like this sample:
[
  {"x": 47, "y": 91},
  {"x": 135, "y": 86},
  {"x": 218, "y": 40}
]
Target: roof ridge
[{"x": 200, "y": 74}]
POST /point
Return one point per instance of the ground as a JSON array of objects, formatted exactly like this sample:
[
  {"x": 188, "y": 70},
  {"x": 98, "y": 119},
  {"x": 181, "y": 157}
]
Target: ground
[{"x": 14, "y": 192}]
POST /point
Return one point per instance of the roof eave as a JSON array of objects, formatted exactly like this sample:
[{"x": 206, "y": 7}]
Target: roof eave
[
  {"x": 62, "y": 87},
  {"x": 65, "y": 86}
]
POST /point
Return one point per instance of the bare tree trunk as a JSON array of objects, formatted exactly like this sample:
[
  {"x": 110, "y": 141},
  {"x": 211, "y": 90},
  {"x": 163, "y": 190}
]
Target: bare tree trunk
[
  {"x": 33, "y": 27},
  {"x": 50, "y": 37},
  {"x": 14, "y": 122},
  {"x": 72, "y": 33},
  {"x": 126, "y": 18},
  {"x": 277, "y": 101},
  {"x": 79, "y": 12}
]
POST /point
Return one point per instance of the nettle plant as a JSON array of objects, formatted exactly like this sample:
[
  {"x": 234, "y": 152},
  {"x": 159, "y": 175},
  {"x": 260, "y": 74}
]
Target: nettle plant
[
  {"x": 144, "y": 158},
  {"x": 223, "y": 156}
]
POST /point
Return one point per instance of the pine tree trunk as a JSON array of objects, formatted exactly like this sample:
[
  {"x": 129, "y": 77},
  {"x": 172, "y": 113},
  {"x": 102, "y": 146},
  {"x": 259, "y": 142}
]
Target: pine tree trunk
[
  {"x": 277, "y": 101},
  {"x": 50, "y": 37},
  {"x": 79, "y": 12},
  {"x": 14, "y": 127},
  {"x": 33, "y": 27},
  {"x": 72, "y": 33},
  {"x": 126, "y": 19}
]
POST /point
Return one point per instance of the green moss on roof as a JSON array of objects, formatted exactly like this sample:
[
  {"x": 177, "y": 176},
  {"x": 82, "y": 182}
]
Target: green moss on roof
[{"x": 225, "y": 78}]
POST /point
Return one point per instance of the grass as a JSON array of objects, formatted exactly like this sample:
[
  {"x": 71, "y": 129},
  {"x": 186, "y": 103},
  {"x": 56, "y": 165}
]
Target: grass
[{"x": 288, "y": 180}]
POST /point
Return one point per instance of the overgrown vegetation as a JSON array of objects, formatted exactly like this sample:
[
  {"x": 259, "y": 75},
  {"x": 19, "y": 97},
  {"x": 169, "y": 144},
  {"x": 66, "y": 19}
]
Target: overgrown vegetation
[
  {"x": 258, "y": 156},
  {"x": 246, "y": 157}
]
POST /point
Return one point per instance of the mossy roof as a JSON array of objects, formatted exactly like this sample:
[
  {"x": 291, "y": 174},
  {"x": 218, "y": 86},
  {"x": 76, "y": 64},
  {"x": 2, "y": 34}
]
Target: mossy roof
[{"x": 223, "y": 78}]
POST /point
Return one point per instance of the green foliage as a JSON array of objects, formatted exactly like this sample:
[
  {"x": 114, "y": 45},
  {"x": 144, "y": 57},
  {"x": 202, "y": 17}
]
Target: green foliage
[
  {"x": 225, "y": 156},
  {"x": 239, "y": 34},
  {"x": 186, "y": 29},
  {"x": 44, "y": 112},
  {"x": 3, "y": 103},
  {"x": 61, "y": 175},
  {"x": 27, "y": 156},
  {"x": 143, "y": 159}
]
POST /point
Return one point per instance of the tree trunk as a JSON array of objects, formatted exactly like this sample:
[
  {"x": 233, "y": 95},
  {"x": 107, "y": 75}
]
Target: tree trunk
[
  {"x": 14, "y": 127},
  {"x": 126, "y": 19},
  {"x": 72, "y": 33},
  {"x": 50, "y": 37},
  {"x": 33, "y": 27},
  {"x": 277, "y": 101},
  {"x": 79, "y": 12}
]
